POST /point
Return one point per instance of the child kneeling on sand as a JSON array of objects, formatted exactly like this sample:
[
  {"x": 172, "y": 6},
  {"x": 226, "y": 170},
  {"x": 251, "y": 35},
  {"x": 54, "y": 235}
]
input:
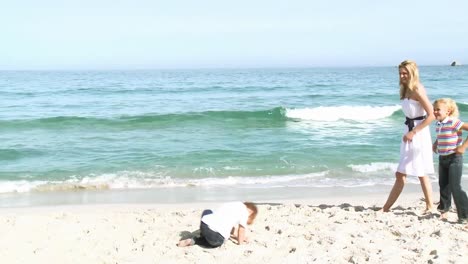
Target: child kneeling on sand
[
  {"x": 450, "y": 147},
  {"x": 217, "y": 226}
]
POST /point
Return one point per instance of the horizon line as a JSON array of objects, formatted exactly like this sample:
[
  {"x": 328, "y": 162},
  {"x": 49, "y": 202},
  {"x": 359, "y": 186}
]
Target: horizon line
[{"x": 215, "y": 68}]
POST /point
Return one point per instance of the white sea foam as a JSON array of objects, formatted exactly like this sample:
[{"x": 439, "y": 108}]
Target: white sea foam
[
  {"x": 128, "y": 180},
  {"x": 374, "y": 167},
  {"x": 334, "y": 113},
  {"x": 20, "y": 186},
  {"x": 282, "y": 180}
]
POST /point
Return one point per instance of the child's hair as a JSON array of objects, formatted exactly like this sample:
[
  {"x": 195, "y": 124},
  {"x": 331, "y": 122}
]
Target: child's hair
[
  {"x": 451, "y": 105},
  {"x": 413, "y": 72},
  {"x": 254, "y": 209}
]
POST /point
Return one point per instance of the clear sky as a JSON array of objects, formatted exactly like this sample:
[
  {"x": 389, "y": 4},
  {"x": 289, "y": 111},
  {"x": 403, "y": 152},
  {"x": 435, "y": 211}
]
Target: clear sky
[{"x": 152, "y": 34}]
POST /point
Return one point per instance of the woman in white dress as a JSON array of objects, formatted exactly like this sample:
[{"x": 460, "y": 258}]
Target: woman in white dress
[{"x": 416, "y": 145}]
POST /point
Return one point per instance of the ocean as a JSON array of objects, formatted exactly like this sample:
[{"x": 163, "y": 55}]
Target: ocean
[{"x": 210, "y": 129}]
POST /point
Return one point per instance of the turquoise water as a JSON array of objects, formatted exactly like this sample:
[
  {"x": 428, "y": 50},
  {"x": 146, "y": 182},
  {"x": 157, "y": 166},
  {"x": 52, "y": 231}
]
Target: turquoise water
[{"x": 246, "y": 128}]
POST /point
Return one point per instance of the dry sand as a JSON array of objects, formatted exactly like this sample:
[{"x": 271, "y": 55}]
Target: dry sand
[{"x": 311, "y": 231}]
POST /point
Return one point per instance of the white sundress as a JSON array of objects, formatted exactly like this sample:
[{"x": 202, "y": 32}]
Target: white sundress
[{"x": 416, "y": 156}]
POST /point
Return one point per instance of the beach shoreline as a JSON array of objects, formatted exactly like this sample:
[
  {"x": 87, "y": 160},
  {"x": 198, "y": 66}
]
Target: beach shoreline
[
  {"x": 190, "y": 195},
  {"x": 339, "y": 228}
]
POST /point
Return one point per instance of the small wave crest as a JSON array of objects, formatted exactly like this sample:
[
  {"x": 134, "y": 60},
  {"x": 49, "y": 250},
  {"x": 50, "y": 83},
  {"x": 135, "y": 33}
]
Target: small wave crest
[
  {"x": 334, "y": 113},
  {"x": 374, "y": 167},
  {"x": 129, "y": 180},
  {"x": 360, "y": 175}
]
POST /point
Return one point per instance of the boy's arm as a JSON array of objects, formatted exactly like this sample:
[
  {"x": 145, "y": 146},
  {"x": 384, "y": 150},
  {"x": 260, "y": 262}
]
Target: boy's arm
[
  {"x": 434, "y": 147},
  {"x": 461, "y": 149},
  {"x": 241, "y": 235},
  {"x": 464, "y": 126}
]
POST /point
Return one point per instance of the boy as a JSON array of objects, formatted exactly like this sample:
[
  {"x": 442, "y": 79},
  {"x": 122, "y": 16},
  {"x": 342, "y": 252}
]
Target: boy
[
  {"x": 217, "y": 226},
  {"x": 450, "y": 147}
]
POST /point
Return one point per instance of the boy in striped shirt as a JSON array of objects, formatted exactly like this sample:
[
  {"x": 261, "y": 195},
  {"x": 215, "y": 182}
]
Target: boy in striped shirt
[{"x": 450, "y": 147}]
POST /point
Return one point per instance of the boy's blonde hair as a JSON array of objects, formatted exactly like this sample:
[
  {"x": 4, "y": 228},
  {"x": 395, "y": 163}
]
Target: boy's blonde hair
[
  {"x": 451, "y": 105},
  {"x": 413, "y": 82}
]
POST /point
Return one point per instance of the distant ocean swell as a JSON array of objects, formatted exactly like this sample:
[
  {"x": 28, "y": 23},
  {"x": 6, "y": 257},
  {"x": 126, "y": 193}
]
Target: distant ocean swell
[
  {"x": 278, "y": 115},
  {"x": 143, "y": 121},
  {"x": 463, "y": 107}
]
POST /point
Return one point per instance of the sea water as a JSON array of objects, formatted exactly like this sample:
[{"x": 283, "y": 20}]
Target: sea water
[{"x": 235, "y": 128}]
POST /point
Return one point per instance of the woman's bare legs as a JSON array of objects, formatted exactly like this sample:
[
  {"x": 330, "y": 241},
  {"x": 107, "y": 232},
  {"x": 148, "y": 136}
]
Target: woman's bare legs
[
  {"x": 396, "y": 191},
  {"x": 427, "y": 190}
]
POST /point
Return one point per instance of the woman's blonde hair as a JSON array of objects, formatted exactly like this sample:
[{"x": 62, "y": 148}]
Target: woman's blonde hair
[
  {"x": 413, "y": 81},
  {"x": 451, "y": 105}
]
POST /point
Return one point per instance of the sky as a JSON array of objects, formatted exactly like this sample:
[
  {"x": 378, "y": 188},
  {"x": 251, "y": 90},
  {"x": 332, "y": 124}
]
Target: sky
[{"x": 176, "y": 34}]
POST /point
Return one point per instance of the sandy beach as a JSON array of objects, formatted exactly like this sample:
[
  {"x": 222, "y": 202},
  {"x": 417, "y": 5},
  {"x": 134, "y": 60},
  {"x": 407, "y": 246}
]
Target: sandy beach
[{"x": 292, "y": 231}]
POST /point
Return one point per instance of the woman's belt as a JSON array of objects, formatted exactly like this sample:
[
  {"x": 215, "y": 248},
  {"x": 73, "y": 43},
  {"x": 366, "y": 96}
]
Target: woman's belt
[{"x": 410, "y": 121}]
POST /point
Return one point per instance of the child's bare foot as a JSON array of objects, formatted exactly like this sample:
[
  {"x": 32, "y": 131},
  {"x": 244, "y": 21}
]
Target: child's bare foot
[
  {"x": 463, "y": 222},
  {"x": 443, "y": 216},
  {"x": 186, "y": 242}
]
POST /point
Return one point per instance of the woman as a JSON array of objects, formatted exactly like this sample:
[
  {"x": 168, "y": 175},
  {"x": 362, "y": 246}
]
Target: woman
[{"x": 416, "y": 146}]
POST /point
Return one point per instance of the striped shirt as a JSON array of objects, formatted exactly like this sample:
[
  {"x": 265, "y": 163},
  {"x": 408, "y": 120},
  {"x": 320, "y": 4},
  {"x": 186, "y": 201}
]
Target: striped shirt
[{"x": 449, "y": 136}]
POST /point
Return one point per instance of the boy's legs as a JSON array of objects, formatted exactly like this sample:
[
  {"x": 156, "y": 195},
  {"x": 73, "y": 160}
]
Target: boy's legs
[
  {"x": 206, "y": 212},
  {"x": 208, "y": 237},
  {"x": 196, "y": 240},
  {"x": 444, "y": 187},
  {"x": 459, "y": 196}
]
